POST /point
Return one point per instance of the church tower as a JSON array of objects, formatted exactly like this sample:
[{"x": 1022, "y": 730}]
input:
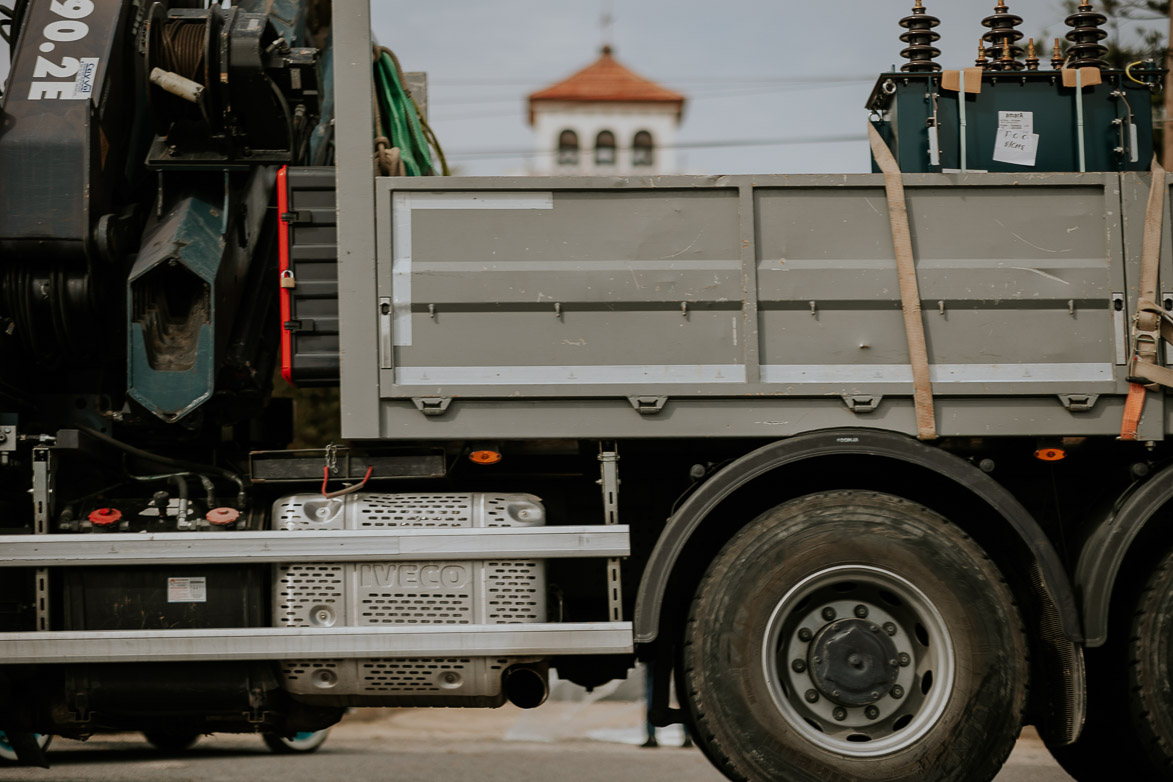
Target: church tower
[{"x": 605, "y": 120}]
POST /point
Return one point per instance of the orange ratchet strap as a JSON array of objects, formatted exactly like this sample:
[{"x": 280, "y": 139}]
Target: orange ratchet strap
[{"x": 1151, "y": 323}]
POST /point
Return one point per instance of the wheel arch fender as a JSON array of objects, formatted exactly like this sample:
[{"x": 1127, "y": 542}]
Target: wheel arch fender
[
  {"x": 880, "y": 444},
  {"x": 1106, "y": 549}
]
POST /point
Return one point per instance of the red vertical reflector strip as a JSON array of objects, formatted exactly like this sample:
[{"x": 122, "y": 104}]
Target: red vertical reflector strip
[{"x": 282, "y": 267}]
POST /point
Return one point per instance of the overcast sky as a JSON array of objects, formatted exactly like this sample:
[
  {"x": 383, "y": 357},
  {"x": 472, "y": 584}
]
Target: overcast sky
[
  {"x": 794, "y": 71},
  {"x": 754, "y": 70}
]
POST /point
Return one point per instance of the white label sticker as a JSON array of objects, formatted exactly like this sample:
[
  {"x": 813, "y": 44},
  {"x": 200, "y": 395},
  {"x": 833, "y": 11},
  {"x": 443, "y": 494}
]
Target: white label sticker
[
  {"x": 1016, "y": 148},
  {"x": 1134, "y": 144},
  {"x": 1023, "y": 121},
  {"x": 187, "y": 590},
  {"x": 83, "y": 86}
]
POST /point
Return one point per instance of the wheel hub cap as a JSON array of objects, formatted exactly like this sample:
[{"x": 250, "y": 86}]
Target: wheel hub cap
[{"x": 853, "y": 662}]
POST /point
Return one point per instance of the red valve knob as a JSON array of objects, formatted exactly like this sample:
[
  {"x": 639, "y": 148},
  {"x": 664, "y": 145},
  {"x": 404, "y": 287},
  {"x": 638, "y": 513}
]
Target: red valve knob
[
  {"x": 104, "y": 517},
  {"x": 222, "y": 517}
]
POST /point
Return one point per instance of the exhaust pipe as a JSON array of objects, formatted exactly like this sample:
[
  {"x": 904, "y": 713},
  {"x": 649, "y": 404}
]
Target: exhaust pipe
[{"x": 527, "y": 686}]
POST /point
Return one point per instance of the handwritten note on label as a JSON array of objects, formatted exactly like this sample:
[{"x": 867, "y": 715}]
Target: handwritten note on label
[
  {"x": 1017, "y": 120},
  {"x": 1016, "y": 147}
]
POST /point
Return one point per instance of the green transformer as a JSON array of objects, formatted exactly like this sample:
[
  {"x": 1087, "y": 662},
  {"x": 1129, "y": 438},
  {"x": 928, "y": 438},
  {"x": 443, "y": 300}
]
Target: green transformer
[{"x": 1019, "y": 121}]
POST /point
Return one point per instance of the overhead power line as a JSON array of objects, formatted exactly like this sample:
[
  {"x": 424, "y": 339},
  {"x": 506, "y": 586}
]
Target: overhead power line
[
  {"x": 676, "y": 81},
  {"x": 692, "y": 97},
  {"x": 714, "y": 144}
]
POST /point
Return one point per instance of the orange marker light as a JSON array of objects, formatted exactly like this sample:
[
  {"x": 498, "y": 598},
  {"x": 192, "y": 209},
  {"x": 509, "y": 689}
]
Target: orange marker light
[
  {"x": 1050, "y": 454},
  {"x": 484, "y": 457}
]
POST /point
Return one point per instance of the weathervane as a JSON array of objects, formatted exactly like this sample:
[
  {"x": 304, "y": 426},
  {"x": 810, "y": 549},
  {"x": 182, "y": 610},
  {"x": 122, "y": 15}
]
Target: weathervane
[{"x": 607, "y": 23}]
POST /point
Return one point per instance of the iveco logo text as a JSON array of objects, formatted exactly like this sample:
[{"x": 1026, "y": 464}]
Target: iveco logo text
[
  {"x": 412, "y": 575},
  {"x": 85, "y": 77}
]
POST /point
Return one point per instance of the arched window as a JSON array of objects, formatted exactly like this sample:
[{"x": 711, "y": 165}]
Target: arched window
[
  {"x": 643, "y": 153},
  {"x": 568, "y": 148},
  {"x": 605, "y": 148}
]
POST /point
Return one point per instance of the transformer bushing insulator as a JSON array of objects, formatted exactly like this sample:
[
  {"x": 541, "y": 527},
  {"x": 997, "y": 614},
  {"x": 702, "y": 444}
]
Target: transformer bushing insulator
[
  {"x": 920, "y": 39},
  {"x": 1003, "y": 30},
  {"x": 1086, "y": 51}
]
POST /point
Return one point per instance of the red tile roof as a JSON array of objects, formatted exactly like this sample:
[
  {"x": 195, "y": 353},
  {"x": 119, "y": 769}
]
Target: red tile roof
[{"x": 605, "y": 80}]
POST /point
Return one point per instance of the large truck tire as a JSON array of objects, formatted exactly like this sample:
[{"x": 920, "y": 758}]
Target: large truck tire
[
  {"x": 1129, "y": 729},
  {"x": 855, "y": 635},
  {"x": 298, "y": 744},
  {"x": 8, "y": 753}
]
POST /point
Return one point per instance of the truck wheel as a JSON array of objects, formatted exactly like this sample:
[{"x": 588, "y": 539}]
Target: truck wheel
[
  {"x": 1129, "y": 730},
  {"x": 307, "y": 741},
  {"x": 8, "y": 754},
  {"x": 1108, "y": 746},
  {"x": 855, "y": 635},
  {"x": 1150, "y": 677},
  {"x": 172, "y": 742}
]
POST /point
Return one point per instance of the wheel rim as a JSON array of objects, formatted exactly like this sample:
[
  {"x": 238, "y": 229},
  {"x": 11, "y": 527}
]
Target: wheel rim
[
  {"x": 828, "y": 657},
  {"x": 305, "y": 739},
  {"x": 8, "y": 753}
]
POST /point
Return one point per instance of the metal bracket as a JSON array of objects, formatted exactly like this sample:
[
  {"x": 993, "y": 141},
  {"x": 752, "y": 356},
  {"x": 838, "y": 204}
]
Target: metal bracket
[
  {"x": 1078, "y": 403},
  {"x": 44, "y": 476},
  {"x": 432, "y": 405},
  {"x": 862, "y": 403},
  {"x": 299, "y": 326},
  {"x": 386, "y": 333},
  {"x": 81, "y": 706},
  {"x": 8, "y": 441},
  {"x": 648, "y": 405},
  {"x": 609, "y": 480},
  {"x": 256, "y": 704}
]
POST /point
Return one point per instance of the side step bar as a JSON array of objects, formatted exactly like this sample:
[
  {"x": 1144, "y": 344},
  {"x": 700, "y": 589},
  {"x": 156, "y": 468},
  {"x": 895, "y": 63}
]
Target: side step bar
[
  {"x": 182, "y": 548},
  {"x": 280, "y": 643}
]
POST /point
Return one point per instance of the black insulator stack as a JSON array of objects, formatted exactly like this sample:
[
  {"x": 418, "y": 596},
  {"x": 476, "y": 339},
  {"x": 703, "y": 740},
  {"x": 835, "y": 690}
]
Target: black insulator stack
[
  {"x": 1003, "y": 30},
  {"x": 920, "y": 39},
  {"x": 1086, "y": 51}
]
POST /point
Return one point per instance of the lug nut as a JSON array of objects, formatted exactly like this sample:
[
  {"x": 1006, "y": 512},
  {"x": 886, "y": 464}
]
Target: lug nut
[
  {"x": 798, "y": 665},
  {"x": 905, "y": 660},
  {"x": 811, "y": 696},
  {"x": 897, "y": 692},
  {"x": 889, "y": 628},
  {"x": 828, "y": 613},
  {"x": 871, "y": 712},
  {"x": 805, "y": 634},
  {"x": 861, "y": 611},
  {"x": 840, "y": 714}
]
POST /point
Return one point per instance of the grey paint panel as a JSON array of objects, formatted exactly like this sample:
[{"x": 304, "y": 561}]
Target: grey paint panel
[
  {"x": 758, "y": 306},
  {"x": 357, "y": 309},
  {"x": 756, "y": 416}
]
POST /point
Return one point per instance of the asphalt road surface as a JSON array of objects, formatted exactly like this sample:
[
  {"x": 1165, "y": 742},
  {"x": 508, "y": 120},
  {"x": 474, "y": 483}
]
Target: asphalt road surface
[{"x": 428, "y": 746}]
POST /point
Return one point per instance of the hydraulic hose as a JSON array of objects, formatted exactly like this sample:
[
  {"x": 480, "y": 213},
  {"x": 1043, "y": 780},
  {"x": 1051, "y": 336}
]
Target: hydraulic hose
[{"x": 179, "y": 464}]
